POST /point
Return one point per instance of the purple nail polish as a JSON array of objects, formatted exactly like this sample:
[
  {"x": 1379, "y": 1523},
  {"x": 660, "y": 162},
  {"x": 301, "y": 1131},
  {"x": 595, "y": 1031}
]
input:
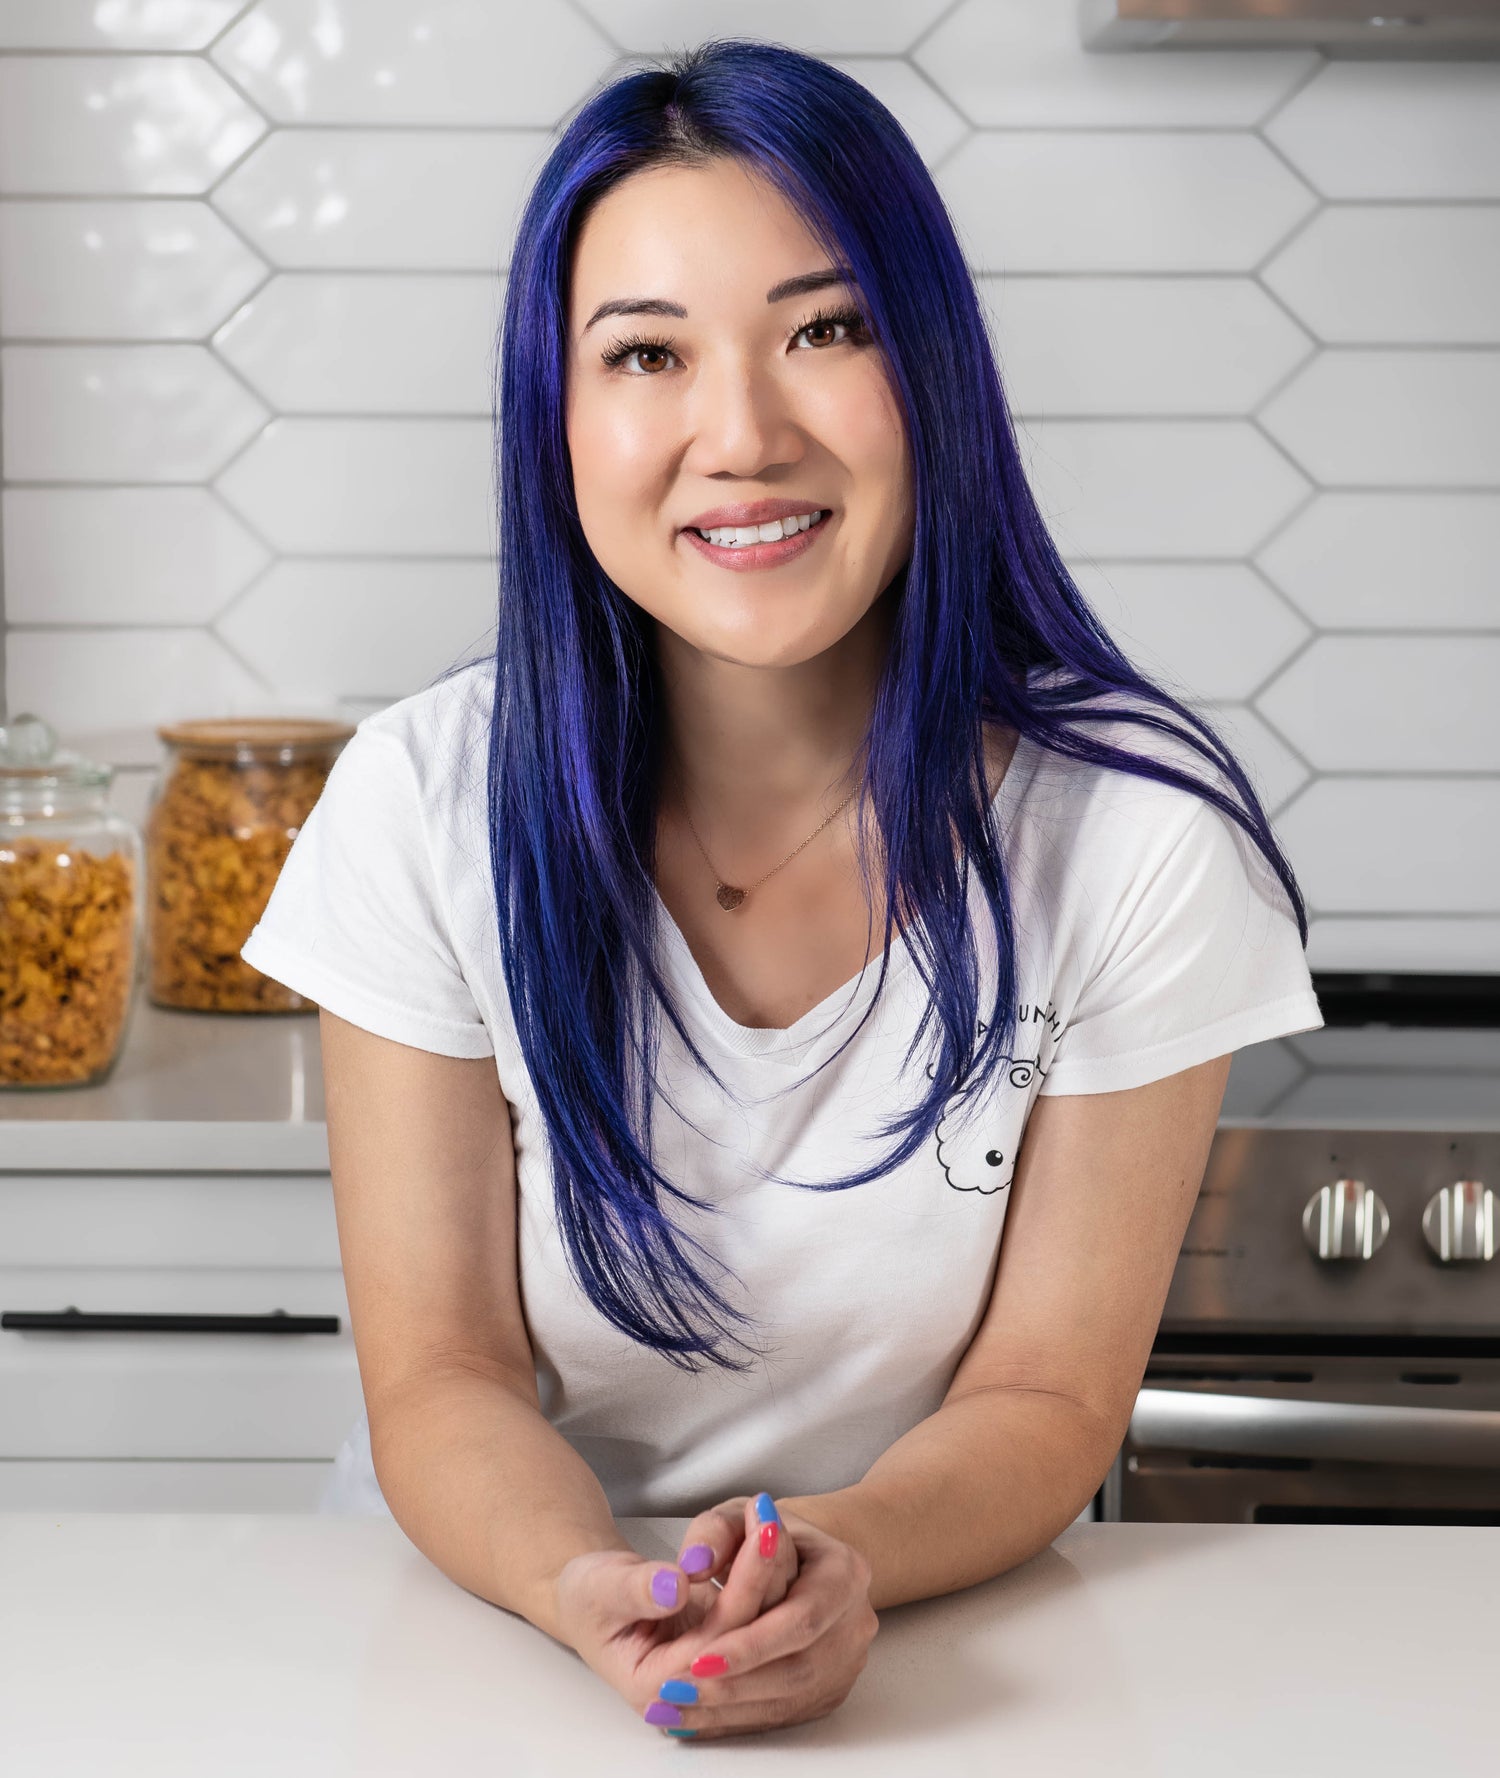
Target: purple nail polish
[
  {"x": 695, "y": 1558},
  {"x": 663, "y": 1715},
  {"x": 664, "y": 1586}
]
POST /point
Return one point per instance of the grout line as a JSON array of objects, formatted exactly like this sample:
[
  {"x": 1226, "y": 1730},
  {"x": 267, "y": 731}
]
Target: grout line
[
  {"x": 1299, "y": 85},
  {"x": 930, "y": 30},
  {"x": 219, "y": 35}
]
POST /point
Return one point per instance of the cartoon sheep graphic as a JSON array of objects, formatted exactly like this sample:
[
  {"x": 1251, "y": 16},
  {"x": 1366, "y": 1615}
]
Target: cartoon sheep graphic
[{"x": 968, "y": 1161}]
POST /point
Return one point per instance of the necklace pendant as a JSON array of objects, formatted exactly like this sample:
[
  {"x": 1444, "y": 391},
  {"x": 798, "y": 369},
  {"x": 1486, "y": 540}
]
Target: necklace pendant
[{"x": 728, "y": 897}]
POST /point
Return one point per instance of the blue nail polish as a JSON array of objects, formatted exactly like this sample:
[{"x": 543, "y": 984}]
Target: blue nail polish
[
  {"x": 679, "y": 1691},
  {"x": 765, "y": 1510}
]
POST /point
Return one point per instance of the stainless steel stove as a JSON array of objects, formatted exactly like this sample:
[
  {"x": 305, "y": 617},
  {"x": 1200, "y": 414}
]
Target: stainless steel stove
[{"x": 1330, "y": 1347}]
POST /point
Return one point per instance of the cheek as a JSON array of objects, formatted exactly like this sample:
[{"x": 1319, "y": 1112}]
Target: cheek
[
  {"x": 861, "y": 424},
  {"x": 615, "y": 451}
]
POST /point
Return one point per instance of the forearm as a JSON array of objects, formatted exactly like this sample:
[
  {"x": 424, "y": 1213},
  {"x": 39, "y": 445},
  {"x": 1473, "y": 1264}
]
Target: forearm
[
  {"x": 973, "y": 1490},
  {"x": 489, "y": 1491}
]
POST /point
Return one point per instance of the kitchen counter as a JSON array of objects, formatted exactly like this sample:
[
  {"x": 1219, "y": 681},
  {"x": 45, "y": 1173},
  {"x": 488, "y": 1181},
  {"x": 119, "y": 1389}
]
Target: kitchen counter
[
  {"x": 190, "y": 1091},
  {"x": 185, "y": 1645}
]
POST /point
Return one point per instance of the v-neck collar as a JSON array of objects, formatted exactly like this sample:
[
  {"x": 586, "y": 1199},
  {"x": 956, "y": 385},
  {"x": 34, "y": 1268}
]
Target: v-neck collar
[{"x": 803, "y": 1042}]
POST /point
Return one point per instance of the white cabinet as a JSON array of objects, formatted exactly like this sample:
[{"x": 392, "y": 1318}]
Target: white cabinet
[{"x": 181, "y": 1417}]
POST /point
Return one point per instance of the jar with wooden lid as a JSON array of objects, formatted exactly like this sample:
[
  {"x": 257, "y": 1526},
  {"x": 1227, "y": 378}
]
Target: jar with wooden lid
[
  {"x": 70, "y": 913},
  {"x": 231, "y": 797}
]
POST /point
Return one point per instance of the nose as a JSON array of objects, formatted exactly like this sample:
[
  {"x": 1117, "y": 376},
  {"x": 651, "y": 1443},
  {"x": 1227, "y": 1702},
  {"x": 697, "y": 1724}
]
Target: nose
[{"x": 741, "y": 422}]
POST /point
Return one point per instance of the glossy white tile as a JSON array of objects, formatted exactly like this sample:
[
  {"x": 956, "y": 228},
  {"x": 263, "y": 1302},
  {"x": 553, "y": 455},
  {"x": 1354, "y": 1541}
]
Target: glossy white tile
[
  {"x": 1392, "y": 703},
  {"x": 1135, "y": 488},
  {"x": 121, "y": 413},
  {"x": 123, "y": 555},
  {"x": 392, "y": 62},
  {"x": 361, "y": 628},
  {"x": 1260, "y": 1076},
  {"x": 1120, "y": 201},
  {"x": 1440, "y": 946},
  {"x": 1332, "y": 1096},
  {"x": 368, "y": 487},
  {"x": 100, "y": 125},
  {"x": 926, "y": 116},
  {"x": 384, "y": 200},
  {"x": 321, "y": 343},
  {"x": 140, "y": 269},
  {"x": 1091, "y": 346},
  {"x": 1391, "y": 561},
  {"x": 1398, "y": 129},
  {"x": 1387, "y": 274},
  {"x": 107, "y": 691},
  {"x": 113, "y": 24},
  {"x": 1020, "y": 65},
  {"x": 831, "y": 27},
  {"x": 1412, "y": 419},
  {"x": 1215, "y": 628},
  {"x": 1397, "y": 845}
]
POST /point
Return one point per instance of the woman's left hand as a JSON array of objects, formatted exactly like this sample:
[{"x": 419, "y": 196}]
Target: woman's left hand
[{"x": 798, "y": 1660}]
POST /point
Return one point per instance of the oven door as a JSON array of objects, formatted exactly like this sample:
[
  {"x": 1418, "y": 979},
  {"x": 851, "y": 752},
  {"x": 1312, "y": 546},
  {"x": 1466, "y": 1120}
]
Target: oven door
[{"x": 1221, "y": 1439}]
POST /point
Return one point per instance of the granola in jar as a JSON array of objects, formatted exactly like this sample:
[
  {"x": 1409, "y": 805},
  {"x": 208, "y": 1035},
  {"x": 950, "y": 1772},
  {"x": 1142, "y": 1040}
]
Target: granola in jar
[
  {"x": 232, "y": 797},
  {"x": 69, "y": 913}
]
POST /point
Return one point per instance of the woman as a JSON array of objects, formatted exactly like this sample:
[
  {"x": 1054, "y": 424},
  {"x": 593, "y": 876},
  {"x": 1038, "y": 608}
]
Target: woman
[{"x": 664, "y": 1184}]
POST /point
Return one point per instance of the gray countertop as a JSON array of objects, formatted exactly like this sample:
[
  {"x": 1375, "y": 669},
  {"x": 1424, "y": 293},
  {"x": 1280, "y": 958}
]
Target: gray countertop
[
  {"x": 190, "y": 1091},
  {"x": 182, "y": 1645}
]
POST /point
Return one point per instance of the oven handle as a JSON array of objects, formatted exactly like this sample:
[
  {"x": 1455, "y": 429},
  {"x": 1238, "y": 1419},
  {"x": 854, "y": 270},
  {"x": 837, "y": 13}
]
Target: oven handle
[{"x": 1345, "y": 1432}]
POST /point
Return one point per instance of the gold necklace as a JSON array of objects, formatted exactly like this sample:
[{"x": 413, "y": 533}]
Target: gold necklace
[{"x": 728, "y": 895}]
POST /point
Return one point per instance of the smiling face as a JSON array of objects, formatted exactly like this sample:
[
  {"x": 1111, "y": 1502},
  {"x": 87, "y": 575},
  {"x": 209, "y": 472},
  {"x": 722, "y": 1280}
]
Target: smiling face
[{"x": 720, "y": 402}]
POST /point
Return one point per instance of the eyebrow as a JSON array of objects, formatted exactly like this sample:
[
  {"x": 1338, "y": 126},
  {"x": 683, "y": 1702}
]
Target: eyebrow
[{"x": 658, "y": 305}]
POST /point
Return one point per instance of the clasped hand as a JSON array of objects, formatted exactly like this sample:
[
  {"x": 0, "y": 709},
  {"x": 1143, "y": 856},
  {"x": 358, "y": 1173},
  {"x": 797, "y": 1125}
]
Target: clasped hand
[{"x": 782, "y": 1642}]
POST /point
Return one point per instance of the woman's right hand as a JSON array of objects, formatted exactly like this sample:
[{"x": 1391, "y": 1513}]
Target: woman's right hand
[{"x": 609, "y": 1611}]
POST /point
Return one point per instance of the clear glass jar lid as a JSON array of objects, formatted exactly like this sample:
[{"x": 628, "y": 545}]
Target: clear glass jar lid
[{"x": 36, "y": 774}]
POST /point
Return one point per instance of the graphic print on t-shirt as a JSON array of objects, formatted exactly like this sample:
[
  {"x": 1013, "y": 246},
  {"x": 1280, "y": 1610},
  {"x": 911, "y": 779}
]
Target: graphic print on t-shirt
[{"x": 977, "y": 1138}]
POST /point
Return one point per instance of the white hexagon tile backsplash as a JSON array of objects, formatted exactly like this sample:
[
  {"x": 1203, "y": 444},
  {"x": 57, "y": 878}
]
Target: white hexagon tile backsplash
[{"x": 1247, "y": 305}]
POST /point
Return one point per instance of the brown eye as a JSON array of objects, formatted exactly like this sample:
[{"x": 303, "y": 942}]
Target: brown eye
[
  {"x": 822, "y": 333},
  {"x": 651, "y": 358}
]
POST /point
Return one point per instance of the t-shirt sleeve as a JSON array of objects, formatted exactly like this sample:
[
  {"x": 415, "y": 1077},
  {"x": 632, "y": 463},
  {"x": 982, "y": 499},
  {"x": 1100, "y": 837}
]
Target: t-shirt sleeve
[
  {"x": 1199, "y": 956},
  {"x": 355, "y": 921}
]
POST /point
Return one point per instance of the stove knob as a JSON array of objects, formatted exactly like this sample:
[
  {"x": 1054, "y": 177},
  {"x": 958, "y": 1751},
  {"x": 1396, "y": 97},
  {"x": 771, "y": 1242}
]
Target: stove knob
[
  {"x": 1345, "y": 1221},
  {"x": 1459, "y": 1223}
]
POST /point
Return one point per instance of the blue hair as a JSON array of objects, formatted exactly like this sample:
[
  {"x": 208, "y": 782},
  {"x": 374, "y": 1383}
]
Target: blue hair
[{"x": 575, "y": 742}]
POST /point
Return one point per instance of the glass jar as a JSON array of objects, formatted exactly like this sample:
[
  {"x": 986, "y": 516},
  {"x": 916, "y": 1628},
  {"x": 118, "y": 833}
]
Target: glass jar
[
  {"x": 230, "y": 798},
  {"x": 70, "y": 913}
]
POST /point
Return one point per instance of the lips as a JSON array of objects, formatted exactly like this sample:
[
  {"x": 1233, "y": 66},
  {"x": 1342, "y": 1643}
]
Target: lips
[
  {"x": 743, "y": 558},
  {"x": 752, "y": 512}
]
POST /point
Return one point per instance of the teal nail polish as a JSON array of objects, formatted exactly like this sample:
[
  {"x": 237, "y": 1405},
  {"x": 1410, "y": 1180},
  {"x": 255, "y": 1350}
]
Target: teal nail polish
[
  {"x": 765, "y": 1510},
  {"x": 681, "y": 1733},
  {"x": 679, "y": 1691}
]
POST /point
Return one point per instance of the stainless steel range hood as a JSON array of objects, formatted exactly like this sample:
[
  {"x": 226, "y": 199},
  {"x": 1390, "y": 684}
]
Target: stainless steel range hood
[{"x": 1404, "y": 28}]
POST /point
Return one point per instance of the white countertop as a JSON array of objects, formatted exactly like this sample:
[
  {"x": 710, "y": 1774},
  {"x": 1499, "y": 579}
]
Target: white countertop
[
  {"x": 215, "y": 1645},
  {"x": 190, "y": 1091}
]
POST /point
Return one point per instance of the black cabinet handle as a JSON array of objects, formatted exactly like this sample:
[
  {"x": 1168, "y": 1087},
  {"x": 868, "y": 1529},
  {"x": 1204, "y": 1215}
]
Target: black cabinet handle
[{"x": 71, "y": 1320}]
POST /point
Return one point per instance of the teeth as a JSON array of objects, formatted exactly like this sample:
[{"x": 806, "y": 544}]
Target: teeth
[{"x": 740, "y": 536}]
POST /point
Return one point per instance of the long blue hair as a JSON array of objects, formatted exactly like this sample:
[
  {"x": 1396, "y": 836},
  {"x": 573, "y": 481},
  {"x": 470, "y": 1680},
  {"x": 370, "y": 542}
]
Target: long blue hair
[{"x": 575, "y": 744}]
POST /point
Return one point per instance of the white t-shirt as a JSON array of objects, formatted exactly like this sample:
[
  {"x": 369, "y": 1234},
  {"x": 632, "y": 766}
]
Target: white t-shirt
[{"x": 1151, "y": 935}]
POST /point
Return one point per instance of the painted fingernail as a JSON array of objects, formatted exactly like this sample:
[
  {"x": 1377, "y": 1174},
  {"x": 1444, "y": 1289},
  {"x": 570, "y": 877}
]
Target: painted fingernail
[
  {"x": 695, "y": 1558},
  {"x": 768, "y": 1535},
  {"x": 706, "y": 1666},
  {"x": 678, "y": 1691},
  {"x": 664, "y": 1586},
  {"x": 681, "y": 1732},
  {"x": 663, "y": 1715},
  {"x": 765, "y": 1510}
]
